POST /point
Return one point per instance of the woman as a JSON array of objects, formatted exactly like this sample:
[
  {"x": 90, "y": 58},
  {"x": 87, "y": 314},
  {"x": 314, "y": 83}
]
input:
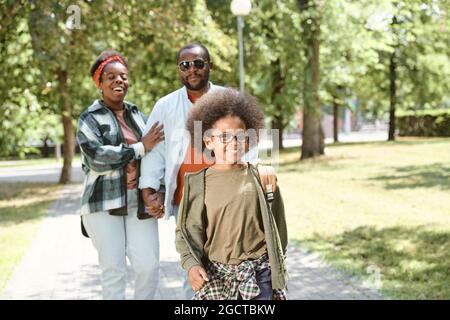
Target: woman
[{"x": 110, "y": 135}]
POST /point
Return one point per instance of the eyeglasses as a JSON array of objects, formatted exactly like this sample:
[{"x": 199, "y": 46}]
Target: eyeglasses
[
  {"x": 197, "y": 63},
  {"x": 227, "y": 137}
]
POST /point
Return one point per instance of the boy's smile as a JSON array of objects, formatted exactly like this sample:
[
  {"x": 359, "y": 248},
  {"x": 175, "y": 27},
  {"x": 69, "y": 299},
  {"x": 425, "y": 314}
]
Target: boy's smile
[{"x": 228, "y": 141}]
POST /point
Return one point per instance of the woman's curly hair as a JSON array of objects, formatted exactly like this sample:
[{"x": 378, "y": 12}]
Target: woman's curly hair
[{"x": 220, "y": 103}]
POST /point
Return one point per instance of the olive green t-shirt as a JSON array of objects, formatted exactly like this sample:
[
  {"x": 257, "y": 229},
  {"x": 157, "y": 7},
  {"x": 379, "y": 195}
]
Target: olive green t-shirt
[{"x": 234, "y": 229}]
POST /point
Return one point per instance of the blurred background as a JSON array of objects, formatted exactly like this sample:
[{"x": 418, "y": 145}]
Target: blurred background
[{"x": 359, "y": 91}]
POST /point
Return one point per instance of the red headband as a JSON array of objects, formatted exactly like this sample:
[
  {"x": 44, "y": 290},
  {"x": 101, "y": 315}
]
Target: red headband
[{"x": 98, "y": 72}]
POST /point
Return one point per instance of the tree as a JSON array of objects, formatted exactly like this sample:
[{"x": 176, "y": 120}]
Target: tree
[
  {"x": 386, "y": 54},
  {"x": 20, "y": 110},
  {"x": 413, "y": 52},
  {"x": 148, "y": 34},
  {"x": 272, "y": 46},
  {"x": 346, "y": 53},
  {"x": 58, "y": 55},
  {"x": 313, "y": 138}
]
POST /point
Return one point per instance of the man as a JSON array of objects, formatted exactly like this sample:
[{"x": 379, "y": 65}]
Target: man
[
  {"x": 173, "y": 157},
  {"x": 163, "y": 164}
]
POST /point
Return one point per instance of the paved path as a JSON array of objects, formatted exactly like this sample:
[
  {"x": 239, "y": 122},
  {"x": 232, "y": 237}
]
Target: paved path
[{"x": 62, "y": 264}]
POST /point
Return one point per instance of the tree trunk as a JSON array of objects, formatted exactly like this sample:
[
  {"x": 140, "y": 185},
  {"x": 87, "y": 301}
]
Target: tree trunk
[
  {"x": 69, "y": 137},
  {"x": 392, "y": 87},
  {"x": 277, "y": 124},
  {"x": 335, "y": 121},
  {"x": 313, "y": 142},
  {"x": 392, "y": 95},
  {"x": 45, "y": 151},
  {"x": 277, "y": 87}
]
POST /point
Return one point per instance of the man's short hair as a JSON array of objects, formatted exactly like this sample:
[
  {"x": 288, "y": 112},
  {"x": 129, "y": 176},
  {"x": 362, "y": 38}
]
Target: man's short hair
[{"x": 194, "y": 45}]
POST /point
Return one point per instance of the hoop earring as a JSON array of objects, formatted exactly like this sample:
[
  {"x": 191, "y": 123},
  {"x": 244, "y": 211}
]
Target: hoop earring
[{"x": 100, "y": 91}]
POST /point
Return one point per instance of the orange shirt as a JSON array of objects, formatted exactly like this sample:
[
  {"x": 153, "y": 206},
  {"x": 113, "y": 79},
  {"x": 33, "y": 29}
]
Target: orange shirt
[
  {"x": 189, "y": 163},
  {"x": 194, "y": 96}
]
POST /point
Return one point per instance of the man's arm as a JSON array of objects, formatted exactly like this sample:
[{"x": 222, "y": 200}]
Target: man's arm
[{"x": 153, "y": 164}]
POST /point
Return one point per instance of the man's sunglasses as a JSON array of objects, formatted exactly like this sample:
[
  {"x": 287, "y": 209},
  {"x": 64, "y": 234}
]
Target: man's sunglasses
[{"x": 197, "y": 63}]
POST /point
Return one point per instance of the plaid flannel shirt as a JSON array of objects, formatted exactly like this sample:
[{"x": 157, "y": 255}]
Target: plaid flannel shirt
[
  {"x": 233, "y": 282},
  {"x": 105, "y": 155}
]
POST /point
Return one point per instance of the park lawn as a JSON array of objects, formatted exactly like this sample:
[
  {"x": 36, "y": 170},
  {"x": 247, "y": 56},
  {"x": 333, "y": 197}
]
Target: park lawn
[
  {"x": 376, "y": 207},
  {"x": 22, "y": 205}
]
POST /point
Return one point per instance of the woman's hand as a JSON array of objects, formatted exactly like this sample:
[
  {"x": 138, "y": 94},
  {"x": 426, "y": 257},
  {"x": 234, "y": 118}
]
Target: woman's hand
[
  {"x": 153, "y": 137},
  {"x": 197, "y": 277},
  {"x": 154, "y": 202},
  {"x": 155, "y": 205}
]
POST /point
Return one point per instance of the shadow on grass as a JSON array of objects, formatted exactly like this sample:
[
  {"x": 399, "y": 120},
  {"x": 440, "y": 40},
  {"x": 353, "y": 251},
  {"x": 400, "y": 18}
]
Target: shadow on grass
[
  {"x": 25, "y": 201},
  {"x": 434, "y": 175},
  {"x": 26, "y": 213},
  {"x": 414, "y": 262}
]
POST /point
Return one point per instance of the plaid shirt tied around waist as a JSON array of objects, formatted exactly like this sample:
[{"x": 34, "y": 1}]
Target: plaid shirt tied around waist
[{"x": 233, "y": 282}]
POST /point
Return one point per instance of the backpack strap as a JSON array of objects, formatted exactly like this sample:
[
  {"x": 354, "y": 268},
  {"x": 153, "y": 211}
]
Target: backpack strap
[{"x": 268, "y": 180}]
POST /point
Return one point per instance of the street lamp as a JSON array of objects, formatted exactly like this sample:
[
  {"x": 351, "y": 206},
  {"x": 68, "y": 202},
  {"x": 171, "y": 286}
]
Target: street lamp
[{"x": 241, "y": 8}]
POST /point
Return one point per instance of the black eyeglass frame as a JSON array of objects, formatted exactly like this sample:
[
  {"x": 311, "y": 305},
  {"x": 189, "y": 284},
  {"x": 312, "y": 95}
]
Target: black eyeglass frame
[{"x": 241, "y": 137}]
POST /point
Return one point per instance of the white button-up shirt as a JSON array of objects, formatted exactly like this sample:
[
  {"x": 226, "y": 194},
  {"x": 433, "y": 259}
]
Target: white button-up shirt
[{"x": 162, "y": 163}]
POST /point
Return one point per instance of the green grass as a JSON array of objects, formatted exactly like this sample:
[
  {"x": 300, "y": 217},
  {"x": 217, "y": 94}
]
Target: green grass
[
  {"x": 22, "y": 205},
  {"x": 384, "y": 205}
]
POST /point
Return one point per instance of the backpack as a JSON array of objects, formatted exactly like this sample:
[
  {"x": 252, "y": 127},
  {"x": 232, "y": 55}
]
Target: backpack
[{"x": 268, "y": 180}]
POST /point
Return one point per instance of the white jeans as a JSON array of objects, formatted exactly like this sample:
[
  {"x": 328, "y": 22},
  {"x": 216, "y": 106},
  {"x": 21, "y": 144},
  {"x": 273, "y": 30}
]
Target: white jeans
[{"x": 118, "y": 237}]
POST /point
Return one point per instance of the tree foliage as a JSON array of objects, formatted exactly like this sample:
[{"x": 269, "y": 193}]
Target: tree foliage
[{"x": 45, "y": 59}]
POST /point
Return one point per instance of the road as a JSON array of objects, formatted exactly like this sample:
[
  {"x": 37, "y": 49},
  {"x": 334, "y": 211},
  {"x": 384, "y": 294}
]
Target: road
[{"x": 38, "y": 173}]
